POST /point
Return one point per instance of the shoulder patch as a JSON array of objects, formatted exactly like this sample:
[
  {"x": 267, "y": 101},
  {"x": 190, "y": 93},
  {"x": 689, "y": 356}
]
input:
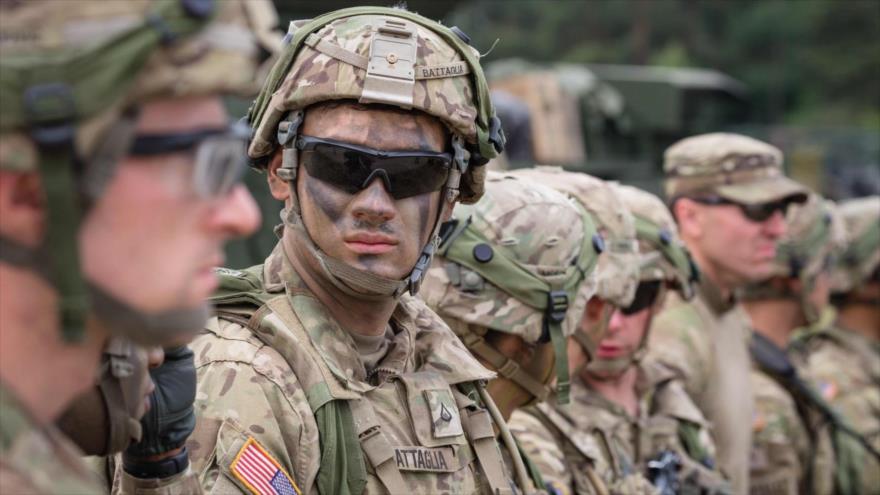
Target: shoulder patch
[{"x": 260, "y": 472}]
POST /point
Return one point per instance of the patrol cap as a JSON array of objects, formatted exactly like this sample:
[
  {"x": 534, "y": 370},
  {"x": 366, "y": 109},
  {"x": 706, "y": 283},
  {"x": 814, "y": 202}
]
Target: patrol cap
[
  {"x": 617, "y": 272},
  {"x": 861, "y": 258},
  {"x": 736, "y": 167}
]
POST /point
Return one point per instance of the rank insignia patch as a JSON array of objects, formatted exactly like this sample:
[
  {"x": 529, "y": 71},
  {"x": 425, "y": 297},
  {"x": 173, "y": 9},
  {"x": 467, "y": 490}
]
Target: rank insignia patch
[
  {"x": 444, "y": 413},
  {"x": 260, "y": 473}
]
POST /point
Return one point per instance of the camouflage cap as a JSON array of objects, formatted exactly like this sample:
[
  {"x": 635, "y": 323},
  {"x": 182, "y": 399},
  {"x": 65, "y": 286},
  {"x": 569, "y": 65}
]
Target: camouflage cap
[
  {"x": 537, "y": 228},
  {"x": 220, "y": 54},
  {"x": 861, "y": 258},
  {"x": 617, "y": 274},
  {"x": 382, "y": 56},
  {"x": 735, "y": 167},
  {"x": 663, "y": 255}
]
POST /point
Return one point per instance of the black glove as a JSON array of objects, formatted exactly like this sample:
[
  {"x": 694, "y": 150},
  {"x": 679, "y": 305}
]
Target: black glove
[{"x": 171, "y": 418}]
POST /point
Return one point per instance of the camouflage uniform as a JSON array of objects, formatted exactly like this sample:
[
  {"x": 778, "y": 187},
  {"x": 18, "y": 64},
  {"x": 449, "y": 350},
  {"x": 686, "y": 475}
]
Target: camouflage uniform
[
  {"x": 283, "y": 389},
  {"x": 706, "y": 340},
  {"x": 593, "y": 432},
  {"x": 106, "y": 57},
  {"x": 795, "y": 449},
  {"x": 823, "y": 347},
  {"x": 537, "y": 238},
  {"x": 262, "y": 382}
]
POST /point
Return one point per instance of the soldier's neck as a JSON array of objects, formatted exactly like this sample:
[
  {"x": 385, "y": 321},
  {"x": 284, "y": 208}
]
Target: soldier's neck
[
  {"x": 714, "y": 274},
  {"x": 775, "y": 319},
  {"x": 620, "y": 390},
  {"x": 365, "y": 317},
  {"x": 43, "y": 372},
  {"x": 861, "y": 318}
]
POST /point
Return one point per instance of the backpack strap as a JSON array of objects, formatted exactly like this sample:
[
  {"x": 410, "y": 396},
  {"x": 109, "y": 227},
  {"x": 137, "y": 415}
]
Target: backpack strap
[
  {"x": 375, "y": 445},
  {"x": 572, "y": 435}
]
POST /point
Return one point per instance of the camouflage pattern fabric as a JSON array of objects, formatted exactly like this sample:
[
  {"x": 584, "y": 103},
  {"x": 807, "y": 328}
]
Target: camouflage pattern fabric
[
  {"x": 195, "y": 65},
  {"x": 845, "y": 368},
  {"x": 616, "y": 445},
  {"x": 541, "y": 229},
  {"x": 705, "y": 342},
  {"x": 861, "y": 219},
  {"x": 253, "y": 385},
  {"x": 732, "y": 166},
  {"x": 814, "y": 235},
  {"x": 790, "y": 454},
  {"x": 616, "y": 273},
  {"x": 328, "y": 58},
  {"x": 35, "y": 459}
]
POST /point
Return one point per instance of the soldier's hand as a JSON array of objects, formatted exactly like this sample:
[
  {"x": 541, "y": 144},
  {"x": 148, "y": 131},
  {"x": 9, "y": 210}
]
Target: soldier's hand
[{"x": 170, "y": 419}]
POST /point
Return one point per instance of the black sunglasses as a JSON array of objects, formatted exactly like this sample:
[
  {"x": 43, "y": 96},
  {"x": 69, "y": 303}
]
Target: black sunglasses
[
  {"x": 755, "y": 212},
  {"x": 646, "y": 295},
  {"x": 352, "y": 168},
  {"x": 220, "y": 155}
]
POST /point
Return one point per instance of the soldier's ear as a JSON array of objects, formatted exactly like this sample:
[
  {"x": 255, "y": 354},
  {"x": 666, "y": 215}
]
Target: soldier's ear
[
  {"x": 23, "y": 207},
  {"x": 279, "y": 187},
  {"x": 688, "y": 215}
]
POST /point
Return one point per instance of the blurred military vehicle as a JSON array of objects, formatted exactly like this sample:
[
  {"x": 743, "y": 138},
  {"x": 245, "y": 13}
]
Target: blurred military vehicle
[{"x": 612, "y": 121}]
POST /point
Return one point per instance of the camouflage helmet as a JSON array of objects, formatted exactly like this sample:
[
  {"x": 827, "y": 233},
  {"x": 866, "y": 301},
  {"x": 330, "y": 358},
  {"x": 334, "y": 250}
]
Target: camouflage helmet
[
  {"x": 387, "y": 56},
  {"x": 515, "y": 263},
  {"x": 814, "y": 236},
  {"x": 861, "y": 258},
  {"x": 662, "y": 254},
  {"x": 384, "y": 56},
  {"x": 663, "y": 258},
  {"x": 617, "y": 273},
  {"x": 69, "y": 76}
]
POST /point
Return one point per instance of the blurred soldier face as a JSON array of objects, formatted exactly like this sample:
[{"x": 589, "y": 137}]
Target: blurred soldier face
[
  {"x": 625, "y": 333},
  {"x": 369, "y": 229},
  {"x": 726, "y": 243},
  {"x": 151, "y": 239}
]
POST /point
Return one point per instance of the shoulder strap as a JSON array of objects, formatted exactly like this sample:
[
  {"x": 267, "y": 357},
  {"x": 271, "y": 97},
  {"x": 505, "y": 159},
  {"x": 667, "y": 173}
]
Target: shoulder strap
[
  {"x": 571, "y": 435},
  {"x": 376, "y": 446},
  {"x": 477, "y": 424},
  {"x": 845, "y": 439}
]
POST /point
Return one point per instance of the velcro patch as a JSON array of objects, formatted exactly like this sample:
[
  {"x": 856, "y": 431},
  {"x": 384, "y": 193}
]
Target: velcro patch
[
  {"x": 452, "y": 69},
  {"x": 434, "y": 460},
  {"x": 261, "y": 473},
  {"x": 445, "y": 421}
]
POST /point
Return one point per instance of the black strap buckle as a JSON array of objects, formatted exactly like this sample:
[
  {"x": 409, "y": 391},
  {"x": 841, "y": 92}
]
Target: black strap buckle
[
  {"x": 51, "y": 110},
  {"x": 557, "y": 305}
]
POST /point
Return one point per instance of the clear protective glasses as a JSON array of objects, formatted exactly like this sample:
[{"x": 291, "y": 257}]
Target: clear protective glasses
[{"x": 220, "y": 155}]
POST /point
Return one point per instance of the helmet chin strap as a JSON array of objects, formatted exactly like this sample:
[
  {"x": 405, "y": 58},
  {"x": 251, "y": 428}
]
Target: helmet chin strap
[
  {"x": 121, "y": 318},
  {"x": 352, "y": 281}
]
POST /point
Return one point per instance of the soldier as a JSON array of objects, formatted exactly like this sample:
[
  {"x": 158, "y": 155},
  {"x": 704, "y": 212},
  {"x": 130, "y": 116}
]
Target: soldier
[
  {"x": 728, "y": 195},
  {"x": 511, "y": 280},
  {"x": 320, "y": 373},
  {"x": 801, "y": 445},
  {"x": 855, "y": 285},
  {"x": 641, "y": 422},
  {"x": 118, "y": 185},
  {"x": 822, "y": 345}
]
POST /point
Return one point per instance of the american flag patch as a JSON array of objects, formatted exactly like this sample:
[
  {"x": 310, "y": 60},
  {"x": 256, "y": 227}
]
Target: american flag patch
[{"x": 262, "y": 474}]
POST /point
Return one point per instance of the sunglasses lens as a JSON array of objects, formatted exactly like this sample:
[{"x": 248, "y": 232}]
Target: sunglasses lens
[
  {"x": 761, "y": 212},
  {"x": 349, "y": 170},
  {"x": 646, "y": 294}
]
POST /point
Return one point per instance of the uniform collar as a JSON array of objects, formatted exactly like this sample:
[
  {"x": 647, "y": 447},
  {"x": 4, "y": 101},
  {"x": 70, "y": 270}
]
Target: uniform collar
[
  {"x": 421, "y": 340},
  {"x": 709, "y": 292}
]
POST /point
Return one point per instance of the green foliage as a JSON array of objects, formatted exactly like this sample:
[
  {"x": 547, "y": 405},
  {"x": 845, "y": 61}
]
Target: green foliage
[{"x": 812, "y": 62}]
